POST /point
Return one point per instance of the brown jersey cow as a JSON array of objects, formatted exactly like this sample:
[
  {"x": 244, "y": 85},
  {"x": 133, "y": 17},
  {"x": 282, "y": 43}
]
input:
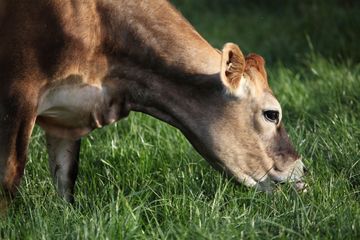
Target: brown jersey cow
[{"x": 73, "y": 66}]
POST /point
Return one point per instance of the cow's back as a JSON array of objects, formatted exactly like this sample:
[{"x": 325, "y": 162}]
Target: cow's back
[{"x": 46, "y": 40}]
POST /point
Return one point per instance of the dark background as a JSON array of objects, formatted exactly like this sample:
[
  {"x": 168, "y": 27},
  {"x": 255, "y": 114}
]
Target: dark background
[{"x": 280, "y": 30}]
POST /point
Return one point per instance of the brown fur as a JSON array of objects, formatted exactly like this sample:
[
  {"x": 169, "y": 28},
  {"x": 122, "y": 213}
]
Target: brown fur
[{"x": 254, "y": 61}]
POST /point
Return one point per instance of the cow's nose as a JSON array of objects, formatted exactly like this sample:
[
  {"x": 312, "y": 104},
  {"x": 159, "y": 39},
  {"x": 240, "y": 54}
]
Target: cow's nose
[{"x": 305, "y": 170}]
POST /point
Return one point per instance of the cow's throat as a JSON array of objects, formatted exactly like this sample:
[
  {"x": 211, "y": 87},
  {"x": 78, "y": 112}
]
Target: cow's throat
[{"x": 72, "y": 111}]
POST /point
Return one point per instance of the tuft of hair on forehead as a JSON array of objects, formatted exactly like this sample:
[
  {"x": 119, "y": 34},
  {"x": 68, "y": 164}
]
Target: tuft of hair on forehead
[{"x": 254, "y": 60}]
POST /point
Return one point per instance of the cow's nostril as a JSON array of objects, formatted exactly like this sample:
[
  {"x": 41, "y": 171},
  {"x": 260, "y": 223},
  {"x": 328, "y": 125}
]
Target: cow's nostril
[{"x": 305, "y": 170}]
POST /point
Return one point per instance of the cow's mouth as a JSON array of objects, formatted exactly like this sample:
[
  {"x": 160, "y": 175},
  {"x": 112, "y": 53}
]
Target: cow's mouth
[{"x": 300, "y": 186}]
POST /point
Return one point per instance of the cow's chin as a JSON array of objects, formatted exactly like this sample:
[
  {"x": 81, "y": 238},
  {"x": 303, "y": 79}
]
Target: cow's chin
[{"x": 293, "y": 175}]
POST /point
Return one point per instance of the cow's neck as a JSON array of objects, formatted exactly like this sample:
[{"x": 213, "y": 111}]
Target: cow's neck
[
  {"x": 169, "y": 70},
  {"x": 155, "y": 35},
  {"x": 179, "y": 102}
]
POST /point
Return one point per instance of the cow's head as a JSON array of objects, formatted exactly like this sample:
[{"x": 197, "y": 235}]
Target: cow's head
[{"x": 247, "y": 137}]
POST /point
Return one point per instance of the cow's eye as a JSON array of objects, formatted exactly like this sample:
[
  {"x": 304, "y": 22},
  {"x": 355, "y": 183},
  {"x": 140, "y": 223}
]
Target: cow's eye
[{"x": 272, "y": 116}]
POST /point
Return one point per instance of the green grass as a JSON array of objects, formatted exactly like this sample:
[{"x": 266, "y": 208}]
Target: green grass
[{"x": 140, "y": 179}]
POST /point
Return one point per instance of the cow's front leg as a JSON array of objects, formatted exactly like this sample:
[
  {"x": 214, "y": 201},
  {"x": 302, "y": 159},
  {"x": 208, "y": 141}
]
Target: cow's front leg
[
  {"x": 17, "y": 119},
  {"x": 63, "y": 161}
]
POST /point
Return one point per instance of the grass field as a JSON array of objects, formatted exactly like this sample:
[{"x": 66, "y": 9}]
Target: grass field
[{"x": 141, "y": 179}]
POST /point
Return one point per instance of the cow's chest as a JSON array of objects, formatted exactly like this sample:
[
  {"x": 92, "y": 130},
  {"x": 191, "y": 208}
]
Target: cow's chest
[{"x": 72, "y": 111}]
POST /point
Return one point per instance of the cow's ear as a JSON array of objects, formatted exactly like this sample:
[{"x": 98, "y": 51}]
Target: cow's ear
[
  {"x": 258, "y": 62},
  {"x": 232, "y": 66}
]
